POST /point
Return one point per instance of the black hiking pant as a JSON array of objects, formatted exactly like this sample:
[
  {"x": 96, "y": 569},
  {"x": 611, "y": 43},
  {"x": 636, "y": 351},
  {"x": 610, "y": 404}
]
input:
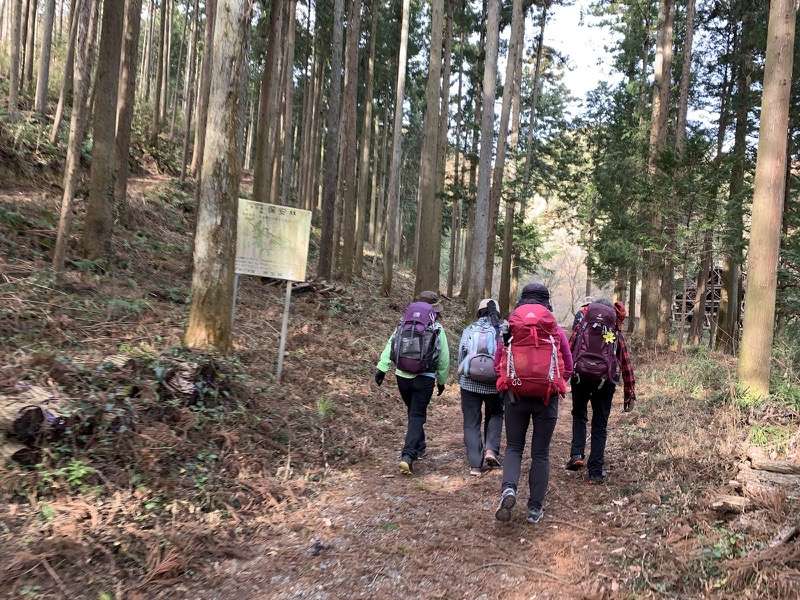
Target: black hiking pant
[
  {"x": 519, "y": 415},
  {"x": 583, "y": 394},
  {"x": 416, "y": 393}
]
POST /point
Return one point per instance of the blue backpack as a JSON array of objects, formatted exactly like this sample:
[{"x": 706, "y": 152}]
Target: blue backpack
[{"x": 416, "y": 345}]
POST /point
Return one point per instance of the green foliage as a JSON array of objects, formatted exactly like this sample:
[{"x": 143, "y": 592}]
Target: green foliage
[
  {"x": 772, "y": 437},
  {"x": 75, "y": 474},
  {"x": 700, "y": 375}
]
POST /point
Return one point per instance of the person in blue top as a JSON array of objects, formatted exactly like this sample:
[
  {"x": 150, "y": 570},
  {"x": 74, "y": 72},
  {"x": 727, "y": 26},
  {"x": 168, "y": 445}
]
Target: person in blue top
[
  {"x": 479, "y": 389},
  {"x": 416, "y": 390}
]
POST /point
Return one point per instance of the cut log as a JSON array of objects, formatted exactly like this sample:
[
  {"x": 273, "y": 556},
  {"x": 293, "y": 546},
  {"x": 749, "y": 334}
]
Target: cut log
[
  {"x": 727, "y": 503},
  {"x": 11, "y": 450},
  {"x": 768, "y": 479},
  {"x": 760, "y": 462},
  {"x": 26, "y": 416}
]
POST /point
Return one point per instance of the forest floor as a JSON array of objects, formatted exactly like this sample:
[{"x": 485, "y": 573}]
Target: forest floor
[{"x": 238, "y": 486}]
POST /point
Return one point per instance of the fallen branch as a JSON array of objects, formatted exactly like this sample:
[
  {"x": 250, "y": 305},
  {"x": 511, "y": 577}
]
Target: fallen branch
[
  {"x": 726, "y": 503},
  {"x": 55, "y": 577},
  {"x": 524, "y": 567},
  {"x": 760, "y": 462},
  {"x": 784, "y": 534}
]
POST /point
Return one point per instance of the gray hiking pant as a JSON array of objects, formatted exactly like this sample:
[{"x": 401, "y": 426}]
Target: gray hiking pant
[{"x": 475, "y": 441}]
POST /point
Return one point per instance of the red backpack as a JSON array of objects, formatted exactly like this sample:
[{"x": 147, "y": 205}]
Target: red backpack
[{"x": 531, "y": 363}]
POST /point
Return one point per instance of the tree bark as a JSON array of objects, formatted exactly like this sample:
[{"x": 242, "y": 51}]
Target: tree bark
[
  {"x": 502, "y": 136},
  {"x": 441, "y": 138},
  {"x": 192, "y": 65},
  {"x": 331, "y": 166},
  {"x": 16, "y": 42},
  {"x": 455, "y": 221},
  {"x": 513, "y": 139},
  {"x": 482, "y": 202},
  {"x": 366, "y": 142},
  {"x": 30, "y": 47},
  {"x": 393, "y": 204},
  {"x": 288, "y": 140},
  {"x": 99, "y": 222},
  {"x": 69, "y": 66},
  {"x": 654, "y": 260},
  {"x": 204, "y": 89},
  {"x": 155, "y": 123},
  {"x": 763, "y": 249},
  {"x": 85, "y": 16},
  {"x": 43, "y": 77},
  {"x": 262, "y": 169},
  {"x": 126, "y": 99},
  {"x": 430, "y": 239},
  {"x": 215, "y": 236},
  {"x": 177, "y": 86}
]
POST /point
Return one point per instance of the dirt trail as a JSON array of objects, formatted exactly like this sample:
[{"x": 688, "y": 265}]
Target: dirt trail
[{"x": 373, "y": 533}]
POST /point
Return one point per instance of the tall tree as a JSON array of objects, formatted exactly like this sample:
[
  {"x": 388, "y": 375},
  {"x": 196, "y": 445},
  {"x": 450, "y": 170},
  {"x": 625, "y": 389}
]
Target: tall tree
[
  {"x": 190, "y": 87},
  {"x": 99, "y": 223},
  {"x": 327, "y": 243},
  {"x": 43, "y": 77},
  {"x": 69, "y": 68},
  {"x": 16, "y": 42},
  {"x": 215, "y": 235},
  {"x": 86, "y": 17},
  {"x": 393, "y": 203},
  {"x": 126, "y": 97},
  {"x": 430, "y": 239},
  {"x": 502, "y": 136},
  {"x": 768, "y": 198},
  {"x": 155, "y": 123},
  {"x": 204, "y": 88},
  {"x": 654, "y": 262},
  {"x": 349, "y": 152},
  {"x": 288, "y": 94},
  {"x": 30, "y": 46},
  {"x": 262, "y": 168},
  {"x": 366, "y": 141},
  {"x": 481, "y": 231}
]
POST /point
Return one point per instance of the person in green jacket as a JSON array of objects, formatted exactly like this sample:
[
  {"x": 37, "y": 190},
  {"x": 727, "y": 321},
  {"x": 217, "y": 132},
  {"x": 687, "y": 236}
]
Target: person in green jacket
[{"x": 416, "y": 390}]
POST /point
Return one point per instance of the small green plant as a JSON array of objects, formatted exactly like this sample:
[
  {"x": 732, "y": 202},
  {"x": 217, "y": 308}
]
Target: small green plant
[
  {"x": 324, "y": 407},
  {"x": 335, "y": 307},
  {"x": 30, "y": 591},
  {"x": 75, "y": 473},
  {"x": 47, "y": 513},
  {"x": 772, "y": 437}
]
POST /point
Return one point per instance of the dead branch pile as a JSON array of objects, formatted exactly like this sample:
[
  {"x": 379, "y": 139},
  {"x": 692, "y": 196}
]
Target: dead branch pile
[{"x": 320, "y": 288}]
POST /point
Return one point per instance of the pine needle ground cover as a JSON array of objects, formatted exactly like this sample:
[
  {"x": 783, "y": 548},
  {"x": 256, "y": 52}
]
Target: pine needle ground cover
[{"x": 163, "y": 473}]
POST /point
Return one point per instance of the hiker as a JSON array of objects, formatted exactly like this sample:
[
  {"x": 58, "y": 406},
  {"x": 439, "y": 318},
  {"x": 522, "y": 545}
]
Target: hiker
[
  {"x": 418, "y": 348},
  {"x": 533, "y": 366},
  {"x": 478, "y": 382},
  {"x": 579, "y": 315},
  {"x": 599, "y": 353}
]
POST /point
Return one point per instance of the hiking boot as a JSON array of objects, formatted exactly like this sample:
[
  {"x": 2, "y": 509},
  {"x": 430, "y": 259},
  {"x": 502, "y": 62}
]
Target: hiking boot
[
  {"x": 534, "y": 515},
  {"x": 598, "y": 479},
  {"x": 490, "y": 459},
  {"x": 475, "y": 472},
  {"x": 575, "y": 462},
  {"x": 423, "y": 453},
  {"x": 507, "y": 501},
  {"x": 406, "y": 465}
]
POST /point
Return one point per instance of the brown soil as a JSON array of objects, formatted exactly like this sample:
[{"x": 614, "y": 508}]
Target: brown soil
[{"x": 293, "y": 490}]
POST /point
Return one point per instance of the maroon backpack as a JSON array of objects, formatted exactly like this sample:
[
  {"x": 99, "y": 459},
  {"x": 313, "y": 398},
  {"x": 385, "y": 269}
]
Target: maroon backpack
[
  {"x": 594, "y": 351},
  {"x": 531, "y": 363},
  {"x": 415, "y": 344}
]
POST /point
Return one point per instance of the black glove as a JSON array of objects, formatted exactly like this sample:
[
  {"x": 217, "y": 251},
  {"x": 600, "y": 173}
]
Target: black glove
[
  {"x": 379, "y": 375},
  {"x": 439, "y": 388},
  {"x": 628, "y": 404}
]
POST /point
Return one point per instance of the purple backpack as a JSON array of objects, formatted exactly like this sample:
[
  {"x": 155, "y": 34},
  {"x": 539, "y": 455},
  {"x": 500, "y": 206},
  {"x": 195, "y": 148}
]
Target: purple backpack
[
  {"x": 595, "y": 349},
  {"x": 416, "y": 344}
]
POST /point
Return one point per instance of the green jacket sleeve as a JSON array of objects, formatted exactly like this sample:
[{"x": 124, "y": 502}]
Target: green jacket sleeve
[
  {"x": 443, "y": 365},
  {"x": 385, "y": 362}
]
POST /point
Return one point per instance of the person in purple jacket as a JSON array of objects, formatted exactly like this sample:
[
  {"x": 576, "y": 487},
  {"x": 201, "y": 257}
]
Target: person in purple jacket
[{"x": 519, "y": 413}]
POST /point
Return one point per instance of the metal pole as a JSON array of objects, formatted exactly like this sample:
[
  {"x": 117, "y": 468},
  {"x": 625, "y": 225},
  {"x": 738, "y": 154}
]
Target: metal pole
[
  {"x": 284, "y": 328},
  {"x": 235, "y": 293}
]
